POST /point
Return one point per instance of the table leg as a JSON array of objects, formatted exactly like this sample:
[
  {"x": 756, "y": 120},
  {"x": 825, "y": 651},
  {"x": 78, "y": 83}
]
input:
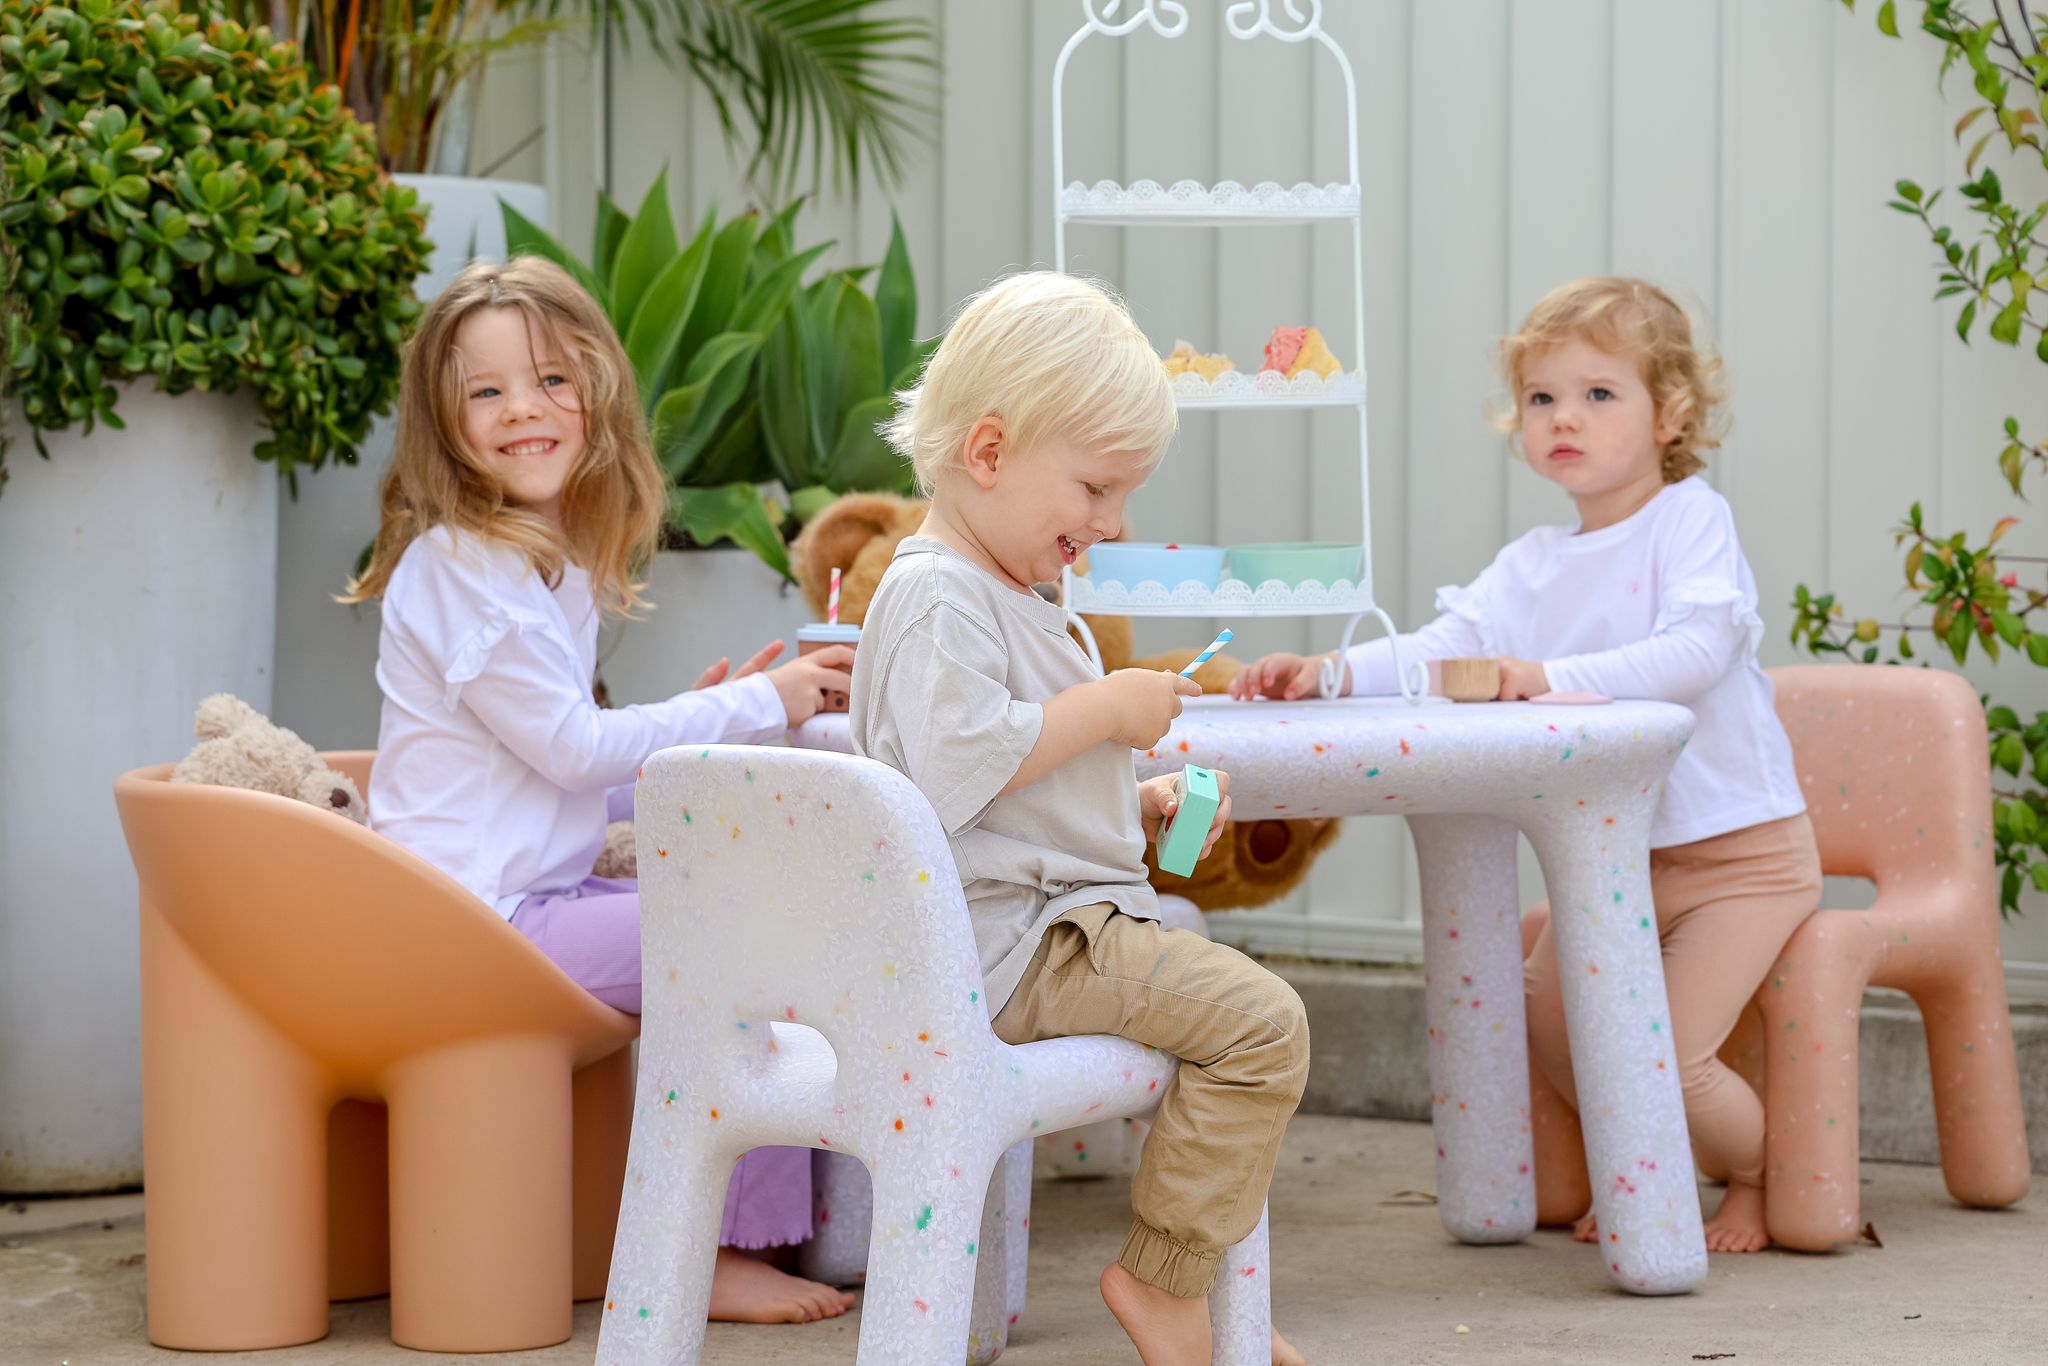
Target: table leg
[
  {"x": 1631, "y": 1109},
  {"x": 1478, "y": 1044}
]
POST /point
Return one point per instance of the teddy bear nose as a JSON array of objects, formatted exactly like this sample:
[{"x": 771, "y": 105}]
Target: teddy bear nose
[{"x": 338, "y": 799}]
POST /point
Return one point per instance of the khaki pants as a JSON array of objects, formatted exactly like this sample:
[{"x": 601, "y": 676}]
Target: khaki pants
[
  {"x": 1242, "y": 1039},
  {"x": 1725, "y": 907}
]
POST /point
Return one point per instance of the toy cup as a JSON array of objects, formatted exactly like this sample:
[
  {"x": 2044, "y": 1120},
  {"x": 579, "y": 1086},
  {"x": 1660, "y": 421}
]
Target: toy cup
[
  {"x": 1465, "y": 680},
  {"x": 817, "y": 637}
]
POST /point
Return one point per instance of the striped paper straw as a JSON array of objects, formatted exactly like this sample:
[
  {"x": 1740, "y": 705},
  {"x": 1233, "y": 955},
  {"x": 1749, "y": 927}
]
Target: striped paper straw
[
  {"x": 832, "y": 600},
  {"x": 1222, "y": 639}
]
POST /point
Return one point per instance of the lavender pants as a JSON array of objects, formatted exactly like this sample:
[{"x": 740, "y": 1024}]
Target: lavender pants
[{"x": 592, "y": 932}]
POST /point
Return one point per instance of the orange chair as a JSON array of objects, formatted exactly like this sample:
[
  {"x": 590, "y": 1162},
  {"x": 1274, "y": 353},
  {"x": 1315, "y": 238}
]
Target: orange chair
[
  {"x": 1895, "y": 769},
  {"x": 303, "y": 978}
]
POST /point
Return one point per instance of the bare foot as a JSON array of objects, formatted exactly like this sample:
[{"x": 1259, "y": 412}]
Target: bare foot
[
  {"x": 1586, "y": 1230},
  {"x": 746, "y": 1291},
  {"x": 1738, "y": 1226},
  {"x": 1166, "y": 1329},
  {"x": 1285, "y": 1353}
]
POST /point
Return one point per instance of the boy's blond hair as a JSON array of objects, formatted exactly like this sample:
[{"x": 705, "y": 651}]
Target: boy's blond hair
[
  {"x": 1053, "y": 356},
  {"x": 613, "y": 502},
  {"x": 1636, "y": 320}
]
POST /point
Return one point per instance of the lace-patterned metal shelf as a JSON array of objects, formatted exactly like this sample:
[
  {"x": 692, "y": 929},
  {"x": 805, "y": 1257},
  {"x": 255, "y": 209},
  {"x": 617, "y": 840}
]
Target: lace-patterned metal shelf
[
  {"x": 1232, "y": 597},
  {"x": 1228, "y": 203},
  {"x": 1189, "y": 203},
  {"x": 1270, "y": 389}
]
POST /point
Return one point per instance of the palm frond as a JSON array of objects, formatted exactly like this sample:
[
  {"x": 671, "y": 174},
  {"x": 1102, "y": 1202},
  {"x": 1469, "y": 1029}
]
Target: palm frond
[{"x": 814, "y": 88}]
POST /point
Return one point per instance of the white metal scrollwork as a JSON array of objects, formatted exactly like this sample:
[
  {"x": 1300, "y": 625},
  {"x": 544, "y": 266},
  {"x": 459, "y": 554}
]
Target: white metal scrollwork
[
  {"x": 1101, "y": 17},
  {"x": 1243, "y": 25}
]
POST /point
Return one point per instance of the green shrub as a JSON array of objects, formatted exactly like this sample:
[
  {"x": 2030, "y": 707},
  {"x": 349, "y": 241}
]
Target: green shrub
[{"x": 185, "y": 205}]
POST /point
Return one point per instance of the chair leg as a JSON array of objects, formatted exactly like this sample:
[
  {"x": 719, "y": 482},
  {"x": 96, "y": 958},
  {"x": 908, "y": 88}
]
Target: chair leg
[
  {"x": 1241, "y": 1303},
  {"x": 602, "y": 1101},
  {"x": 1017, "y": 1224},
  {"x": 842, "y": 1217},
  {"x": 667, "y": 1249},
  {"x": 1811, "y": 1010},
  {"x": 1977, "y": 1107},
  {"x": 480, "y": 1196},
  {"x": 922, "y": 1257},
  {"x": 235, "y": 1150},
  {"x": 358, "y": 1201},
  {"x": 988, "y": 1325}
]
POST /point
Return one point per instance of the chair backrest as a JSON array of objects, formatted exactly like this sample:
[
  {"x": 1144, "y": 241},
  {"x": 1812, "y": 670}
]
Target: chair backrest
[
  {"x": 1895, "y": 768},
  {"x": 798, "y": 885},
  {"x": 351, "y": 944}
]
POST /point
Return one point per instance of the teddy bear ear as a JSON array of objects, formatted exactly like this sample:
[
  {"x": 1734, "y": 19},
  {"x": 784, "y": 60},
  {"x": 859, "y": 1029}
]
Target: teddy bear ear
[
  {"x": 836, "y": 537},
  {"x": 222, "y": 714}
]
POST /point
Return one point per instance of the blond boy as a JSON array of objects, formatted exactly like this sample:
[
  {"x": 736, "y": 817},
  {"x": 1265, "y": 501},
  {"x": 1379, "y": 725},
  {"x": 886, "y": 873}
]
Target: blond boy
[{"x": 1040, "y": 414}]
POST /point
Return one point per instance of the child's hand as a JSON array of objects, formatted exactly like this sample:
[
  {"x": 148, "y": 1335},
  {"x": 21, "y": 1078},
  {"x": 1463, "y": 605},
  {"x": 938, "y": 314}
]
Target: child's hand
[
  {"x": 1520, "y": 679},
  {"x": 1156, "y": 805},
  {"x": 1143, "y": 702},
  {"x": 1284, "y": 677},
  {"x": 803, "y": 682},
  {"x": 715, "y": 675}
]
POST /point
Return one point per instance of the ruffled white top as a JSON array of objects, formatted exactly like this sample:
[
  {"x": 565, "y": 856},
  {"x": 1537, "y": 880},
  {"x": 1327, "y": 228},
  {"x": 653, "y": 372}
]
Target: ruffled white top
[
  {"x": 493, "y": 762},
  {"x": 1660, "y": 606}
]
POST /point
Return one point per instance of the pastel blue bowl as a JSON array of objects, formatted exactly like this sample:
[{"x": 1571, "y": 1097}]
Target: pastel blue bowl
[
  {"x": 1295, "y": 562},
  {"x": 1130, "y": 563}
]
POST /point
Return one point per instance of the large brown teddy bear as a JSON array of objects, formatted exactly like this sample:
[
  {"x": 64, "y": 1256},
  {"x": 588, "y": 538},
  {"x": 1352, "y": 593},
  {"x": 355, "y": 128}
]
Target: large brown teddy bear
[{"x": 1256, "y": 862}]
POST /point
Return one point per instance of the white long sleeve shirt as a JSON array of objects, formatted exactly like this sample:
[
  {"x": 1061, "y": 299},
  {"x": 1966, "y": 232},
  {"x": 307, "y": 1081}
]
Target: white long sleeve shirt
[
  {"x": 493, "y": 763},
  {"x": 1661, "y": 605}
]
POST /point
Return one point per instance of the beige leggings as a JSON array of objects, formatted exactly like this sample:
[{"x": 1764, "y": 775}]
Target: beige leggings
[{"x": 1725, "y": 907}]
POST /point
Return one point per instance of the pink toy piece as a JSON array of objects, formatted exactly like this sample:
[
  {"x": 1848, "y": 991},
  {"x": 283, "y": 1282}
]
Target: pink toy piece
[
  {"x": 1283, "y": 347},
  {"x": 1572, "y": 699}
]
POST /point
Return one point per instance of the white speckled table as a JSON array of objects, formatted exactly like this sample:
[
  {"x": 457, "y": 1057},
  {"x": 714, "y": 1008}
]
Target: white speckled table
[{"x": 1582, "y": 783}]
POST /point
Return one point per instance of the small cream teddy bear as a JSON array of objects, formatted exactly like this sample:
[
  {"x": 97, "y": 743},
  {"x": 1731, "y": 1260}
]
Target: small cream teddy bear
[
  {"x": 240, "y": 747},
  {"x": 619, "y": 857}
]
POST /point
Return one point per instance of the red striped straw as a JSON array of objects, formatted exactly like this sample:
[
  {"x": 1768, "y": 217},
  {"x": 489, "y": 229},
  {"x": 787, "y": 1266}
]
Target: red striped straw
[{"x": 832, "y": 600}]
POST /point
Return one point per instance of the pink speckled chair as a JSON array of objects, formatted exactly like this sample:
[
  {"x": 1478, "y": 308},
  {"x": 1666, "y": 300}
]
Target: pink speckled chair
[
  {"x": 1896, "y": 771},
  {"x": 1895, "y": 768}
]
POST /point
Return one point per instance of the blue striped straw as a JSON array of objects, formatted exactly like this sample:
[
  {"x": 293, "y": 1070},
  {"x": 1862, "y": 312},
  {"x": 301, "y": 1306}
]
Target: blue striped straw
[{"x": 1222, "y": 639}]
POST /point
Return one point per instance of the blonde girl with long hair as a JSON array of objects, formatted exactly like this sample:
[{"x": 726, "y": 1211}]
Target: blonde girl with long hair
[{"x": 521, "y": 505}]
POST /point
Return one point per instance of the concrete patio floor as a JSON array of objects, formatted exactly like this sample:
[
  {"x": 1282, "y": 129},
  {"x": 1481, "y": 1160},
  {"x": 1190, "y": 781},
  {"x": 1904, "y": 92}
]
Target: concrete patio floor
[{"x": 1362, "y": 1272}]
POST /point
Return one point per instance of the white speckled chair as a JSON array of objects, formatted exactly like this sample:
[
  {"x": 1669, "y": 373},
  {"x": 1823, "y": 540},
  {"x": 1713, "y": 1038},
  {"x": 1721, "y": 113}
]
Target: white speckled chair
[{"x": 810, "y": 978}]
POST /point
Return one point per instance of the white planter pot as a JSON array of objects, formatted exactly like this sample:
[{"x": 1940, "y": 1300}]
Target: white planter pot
[
  {"x": 138, "y": 573},
  {"x": 707, "y": 603},
  {"x": 462, "y": 210},
  {"x": 327, "y": 653}
]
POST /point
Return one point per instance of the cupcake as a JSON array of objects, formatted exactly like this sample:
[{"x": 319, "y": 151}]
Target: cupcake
[
  {"x": 1184, "y": 359},
  {"x": 1292, "y": 350}
]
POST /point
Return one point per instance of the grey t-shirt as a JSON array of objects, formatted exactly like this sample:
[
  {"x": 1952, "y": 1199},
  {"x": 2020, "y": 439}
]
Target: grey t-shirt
[{"x": 954, "y": 670}]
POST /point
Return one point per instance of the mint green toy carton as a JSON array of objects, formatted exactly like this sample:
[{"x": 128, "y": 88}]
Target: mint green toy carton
[{"x": 1180, "y": 842}]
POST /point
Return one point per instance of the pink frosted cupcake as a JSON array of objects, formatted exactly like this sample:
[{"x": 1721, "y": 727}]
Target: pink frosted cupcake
[{"x": 1283, "y": 347}]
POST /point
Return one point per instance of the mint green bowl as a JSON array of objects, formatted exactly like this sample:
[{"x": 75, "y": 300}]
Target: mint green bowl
[{"x": 1294, "y": 562}]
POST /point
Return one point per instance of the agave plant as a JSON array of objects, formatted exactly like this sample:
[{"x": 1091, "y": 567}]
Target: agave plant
[
  {"x": 748, "y": 377},
  {"x": 828, "y": 377}
]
